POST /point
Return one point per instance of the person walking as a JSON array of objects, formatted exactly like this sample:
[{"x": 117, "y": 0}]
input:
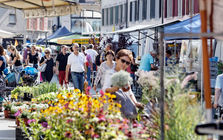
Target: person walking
[
  {"x": 47, "y": 75},
  {"x": 107, "y": 48},
  {"x": 33, "y": 57},
  {"x": 218, "y": 99},
  {"x": 26, "y": 52},
  {"x": 147, "y": 62},
  {"x": 89, "y": 64},
  {"x": 61, "y": 63},
  {"x": 77, "y": 63},
  {"x": 16, "y": 61},
  {"x": 107, "y": 65},
  {"x": 2, "y": 60},
  {"x": 93, "y": 55}
]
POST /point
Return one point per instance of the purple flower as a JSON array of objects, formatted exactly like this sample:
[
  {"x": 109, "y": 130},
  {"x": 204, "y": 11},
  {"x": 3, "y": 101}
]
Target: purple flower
[
  {"x": 44, "y": 124},
  {"x": 68, "y": 134},
  {"x": 17, "y": 113}
]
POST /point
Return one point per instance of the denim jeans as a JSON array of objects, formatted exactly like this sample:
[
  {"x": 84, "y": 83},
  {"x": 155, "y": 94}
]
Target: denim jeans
[
  {"x": 78, "y": 80},
  {"x": 18, "y": 70},
  {"x": 89, "y": 76}
]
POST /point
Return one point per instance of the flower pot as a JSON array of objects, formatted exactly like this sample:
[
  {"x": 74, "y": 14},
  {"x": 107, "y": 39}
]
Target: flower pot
[
  {"x": 6, "y": 113},
  {"x": 24, "y": 119},
  {"x": 17, "y": 121}
]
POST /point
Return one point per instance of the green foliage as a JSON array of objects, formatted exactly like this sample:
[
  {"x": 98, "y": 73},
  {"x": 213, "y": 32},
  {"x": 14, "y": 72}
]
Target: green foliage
[{"x": 34, "y": 90}]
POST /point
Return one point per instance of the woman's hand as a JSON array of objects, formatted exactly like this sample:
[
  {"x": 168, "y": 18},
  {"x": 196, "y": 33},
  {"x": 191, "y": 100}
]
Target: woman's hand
[
  {"x": 139, "y": 105},
  {"x": 112, "y": 89}
]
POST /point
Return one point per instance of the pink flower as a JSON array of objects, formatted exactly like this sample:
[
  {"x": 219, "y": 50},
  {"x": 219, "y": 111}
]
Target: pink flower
[
  {"x": 95, "y": 136},
  {"x": 68, "y": 134},
  {"x": 101, "y": 118},
  {"x": 17, "y": 113},
  {"x": 30, "y": 121},
  {"x": 88, "y": 90},
  {"x": 136, "y": 125},
  {"x": 69, "y": 121},
  {"x": 66, "y": 105},
  {"x": 102, "y": 92}
]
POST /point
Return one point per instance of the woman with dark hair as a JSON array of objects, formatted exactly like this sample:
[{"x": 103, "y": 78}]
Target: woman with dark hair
[
  {"x": 16, "y": 62},
  {"x": 2, "y": 60},
  {"x": 107, "y": 65},
  {"x": 125, "y": 95},
  {"x": 47, "y": 75},
  {"x": 33, "y": 57}
]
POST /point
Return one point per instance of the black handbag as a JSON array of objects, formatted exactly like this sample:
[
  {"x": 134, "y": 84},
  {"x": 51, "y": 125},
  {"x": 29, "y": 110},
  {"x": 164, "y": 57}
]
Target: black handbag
[{"x": 134, "y": 67}]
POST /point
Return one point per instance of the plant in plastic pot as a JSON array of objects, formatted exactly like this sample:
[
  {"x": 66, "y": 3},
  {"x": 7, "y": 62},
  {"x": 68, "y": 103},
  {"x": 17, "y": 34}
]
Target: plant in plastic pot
[{"x": 7, "y": 107}]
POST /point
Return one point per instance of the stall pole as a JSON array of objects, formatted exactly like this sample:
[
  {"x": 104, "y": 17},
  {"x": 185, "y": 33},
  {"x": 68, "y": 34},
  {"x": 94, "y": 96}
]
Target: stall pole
[
  {"x": 162, "y": 88},
  {"x": 206, "y": 69}
]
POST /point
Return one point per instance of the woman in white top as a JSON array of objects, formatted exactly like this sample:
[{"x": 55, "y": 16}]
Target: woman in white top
[
  {"x": 124, "y": 96},
  {"x": 107, "y": 65}
]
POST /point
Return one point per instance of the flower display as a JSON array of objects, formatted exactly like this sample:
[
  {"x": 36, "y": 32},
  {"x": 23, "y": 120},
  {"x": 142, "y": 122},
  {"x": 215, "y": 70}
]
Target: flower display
[{"x": 73, "y": 115}]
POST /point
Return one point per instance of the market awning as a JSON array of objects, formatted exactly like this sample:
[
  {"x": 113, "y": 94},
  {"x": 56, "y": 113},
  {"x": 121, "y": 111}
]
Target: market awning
[
  {"x": 142, "y": 27},
  {"x": 48, "y": 8},
  {"x": 5, "y": 34},
  {"x": 59, "y": 33},
  {"x": 191, "y": 25},
  {"x": 80, "y": 39}
]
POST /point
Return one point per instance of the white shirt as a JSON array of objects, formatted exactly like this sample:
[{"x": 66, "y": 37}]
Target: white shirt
[
  {"x": 107, "y": 78},
  {"x": 92, "y": 53},
  {"x": 76, "y": 62},
  {"x": 219, "y": 85}
]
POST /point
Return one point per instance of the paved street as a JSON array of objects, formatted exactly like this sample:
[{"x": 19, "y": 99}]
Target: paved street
[{"x": 7, "y": 128}]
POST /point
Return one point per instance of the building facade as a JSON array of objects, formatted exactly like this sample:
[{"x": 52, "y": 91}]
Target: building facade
[{"x": 127, "y": 13}]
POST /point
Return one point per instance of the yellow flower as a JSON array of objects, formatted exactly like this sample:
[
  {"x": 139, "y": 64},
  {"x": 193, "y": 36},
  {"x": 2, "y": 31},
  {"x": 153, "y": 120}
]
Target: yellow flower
[
  {"x": 77, "y": 90},
  {"x": 113, "y": 96},
  {"x": 59, "y": 96},
  {"x": 69, "y": 95}
]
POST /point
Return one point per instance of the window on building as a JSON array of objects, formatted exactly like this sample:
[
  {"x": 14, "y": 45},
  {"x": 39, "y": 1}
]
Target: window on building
[
  {"x": 116, "y": 14},
  {"x": 124, "y": 13},
  {"x": 175, "y": 8},
  {"x": 111, "y": 16},
  {"x": 187, "y": 7},
  {"x": 12, "y": 19},
  {"x": 107, "y": 16},
  {"x": 196, "y": 6},
  {"x": 160, "y": 8},
  {"x": 131, "y": 8},
  {"x": 136, "y": 10},
  {"x": 183, "y": 7},
  {"x": 152, "y": 9},
  {"x": 121, "y": 13},
  {"x": 144, "y": 9},
  {"x": 103, "y": 16},
  {"x": 165, "y": 8}
]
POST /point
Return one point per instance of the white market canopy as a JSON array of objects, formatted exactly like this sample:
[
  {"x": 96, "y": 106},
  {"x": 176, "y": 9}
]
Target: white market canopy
[
  {"x": 48, "y": 8},
  {"x": 5, "y": 34}
]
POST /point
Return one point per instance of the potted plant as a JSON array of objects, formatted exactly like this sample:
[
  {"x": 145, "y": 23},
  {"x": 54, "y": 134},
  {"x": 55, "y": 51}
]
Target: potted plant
[{"x": 7, "y": 107}]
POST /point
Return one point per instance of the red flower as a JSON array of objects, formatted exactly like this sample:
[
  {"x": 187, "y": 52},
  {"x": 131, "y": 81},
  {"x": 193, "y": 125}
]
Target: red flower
[{"x": 68, "y": 134}]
